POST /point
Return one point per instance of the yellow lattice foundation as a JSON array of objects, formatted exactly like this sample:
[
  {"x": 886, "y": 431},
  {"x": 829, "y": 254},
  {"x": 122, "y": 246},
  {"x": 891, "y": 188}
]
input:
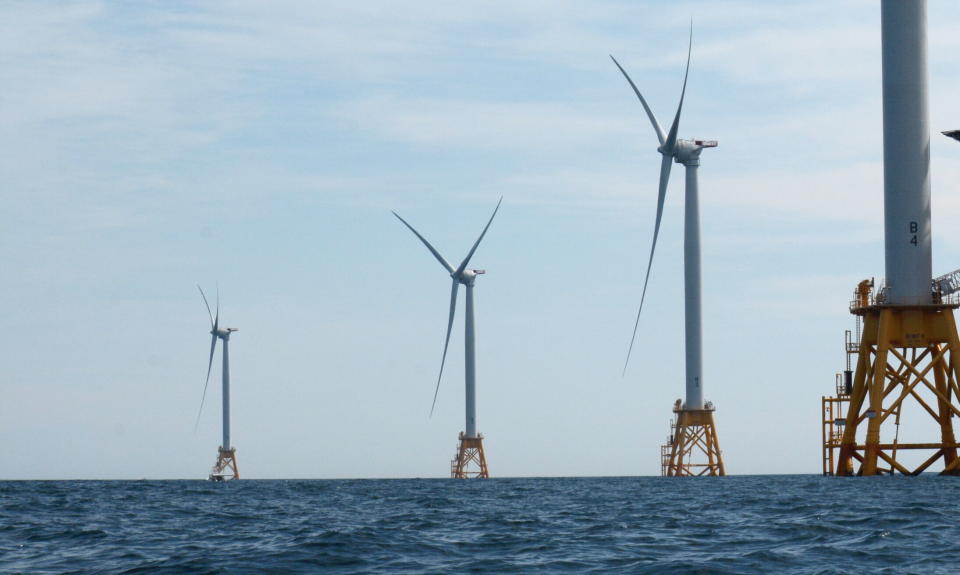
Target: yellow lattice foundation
[
  {"x": 226, "y": 467},
  {"x": 470, "y": 461},
  {"x": 694, "y": 449},
  {"x": 907, "y": 354}
]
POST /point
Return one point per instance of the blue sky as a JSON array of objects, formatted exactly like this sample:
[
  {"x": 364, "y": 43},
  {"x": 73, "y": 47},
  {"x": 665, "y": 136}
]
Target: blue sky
[{"x": 147, "y": 147}]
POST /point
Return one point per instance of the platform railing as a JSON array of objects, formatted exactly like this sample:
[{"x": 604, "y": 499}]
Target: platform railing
[{"x": 864, "y": 298}]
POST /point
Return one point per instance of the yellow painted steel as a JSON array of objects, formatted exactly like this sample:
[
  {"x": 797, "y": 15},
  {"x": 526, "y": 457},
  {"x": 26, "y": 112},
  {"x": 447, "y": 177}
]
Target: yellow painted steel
[
  {"x": 693, "y": 438},
  {"x": 906, "y": 355},
  {"x": 833, "y": 423},
  {"x": 470, "y": 462},
  {"x": 226, "y": 466}
]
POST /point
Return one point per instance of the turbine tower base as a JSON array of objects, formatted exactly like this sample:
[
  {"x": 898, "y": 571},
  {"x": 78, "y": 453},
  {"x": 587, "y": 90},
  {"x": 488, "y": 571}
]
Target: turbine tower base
[
  {"x": 693, "y": 439},
  {"x": 470, "y": 461},
  {"x": 907, "y": 355},
  {"x": 226, "y": 467}
]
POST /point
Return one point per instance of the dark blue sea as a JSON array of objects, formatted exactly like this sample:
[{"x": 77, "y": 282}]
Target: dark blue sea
[{"x": 735, "y": 525}]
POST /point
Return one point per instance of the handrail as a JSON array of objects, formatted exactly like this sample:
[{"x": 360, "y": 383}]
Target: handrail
[{"x": 942, "y": 292}]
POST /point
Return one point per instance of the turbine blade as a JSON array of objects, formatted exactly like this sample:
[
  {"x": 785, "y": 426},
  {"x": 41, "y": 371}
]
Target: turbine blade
[
  {"x": 661, "y": 197},
  {"x": 213, "y": 347},
  {"x": 466, "y": 260},
  {"x": 435, "y": 253},
  {"x": 205, "y": 303},
  {"x": 446, "y": 343},
  {"x": 671, "y": 142},
  {"x": 653, "y": 119},
  {"x": 216, "y": 319}
]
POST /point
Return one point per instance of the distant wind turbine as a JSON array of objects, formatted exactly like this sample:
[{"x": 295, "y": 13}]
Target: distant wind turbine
[
  {"x": 226, "y": 465},
  {"x": 470, "y": 448}
]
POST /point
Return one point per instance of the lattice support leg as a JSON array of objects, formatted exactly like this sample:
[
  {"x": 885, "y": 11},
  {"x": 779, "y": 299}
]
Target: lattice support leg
[
  {"x": 471, "y": 462},
  {"x": 225, "y": 469},
  {"x": 907, "y": 355},
  {"x": 694, "y": 447}
]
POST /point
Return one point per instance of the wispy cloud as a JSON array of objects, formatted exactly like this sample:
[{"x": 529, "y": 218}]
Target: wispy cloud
[{"x": 532, "y": 127}]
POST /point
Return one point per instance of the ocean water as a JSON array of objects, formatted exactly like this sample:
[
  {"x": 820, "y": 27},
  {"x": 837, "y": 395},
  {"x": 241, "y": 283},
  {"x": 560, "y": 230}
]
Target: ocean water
[{"x": 735, "y": 525}]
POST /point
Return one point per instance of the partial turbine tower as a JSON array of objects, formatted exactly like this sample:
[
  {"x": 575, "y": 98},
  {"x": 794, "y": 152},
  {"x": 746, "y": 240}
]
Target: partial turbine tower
[
  {"x": 470, "y": 446},
  {"x": 908, "y": 353},
  {"x": 694, "y": 427},
  {"x": 226, "y": 466}
]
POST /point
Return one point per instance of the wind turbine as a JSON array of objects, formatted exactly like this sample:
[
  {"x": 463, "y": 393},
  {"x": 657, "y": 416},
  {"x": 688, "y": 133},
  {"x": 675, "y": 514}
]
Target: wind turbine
[
  {"x": 694, "y": 418},
  {"x": 226, "y": 465},
  {"x": 470, "y": 446}
]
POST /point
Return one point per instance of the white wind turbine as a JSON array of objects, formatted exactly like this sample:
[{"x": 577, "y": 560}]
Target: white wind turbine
[
  {"x": 694, "y": 429},
  {"x": 686, "y": 152},
  {"x": 226, "y": 465},
  {"x": 467, "y": 277}
]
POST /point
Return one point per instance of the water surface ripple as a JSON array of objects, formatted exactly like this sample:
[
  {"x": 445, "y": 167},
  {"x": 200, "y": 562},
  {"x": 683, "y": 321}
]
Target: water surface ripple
[{"x": 732, "y": 525}]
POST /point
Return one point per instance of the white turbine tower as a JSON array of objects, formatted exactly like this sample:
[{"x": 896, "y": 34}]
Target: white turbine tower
[
  {"x": 694, "y": 417},
  {"x": 470, "y": 447},
  {"x": 226, "y": 466},
  {"x": 908, "y": 346}
]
